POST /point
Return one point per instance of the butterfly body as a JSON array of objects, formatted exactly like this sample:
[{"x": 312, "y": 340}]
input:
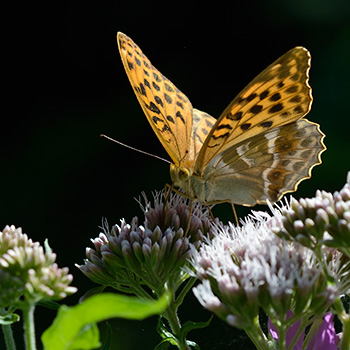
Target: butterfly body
[{"x": 258, "y": 149}]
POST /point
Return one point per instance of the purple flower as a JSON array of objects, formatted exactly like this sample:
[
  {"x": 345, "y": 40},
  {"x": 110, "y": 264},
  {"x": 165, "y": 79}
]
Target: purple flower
[
  {"x": 322, "y": 334},
  {"x": 290, "y": 333},
  {"x": 325, "y": 338}
]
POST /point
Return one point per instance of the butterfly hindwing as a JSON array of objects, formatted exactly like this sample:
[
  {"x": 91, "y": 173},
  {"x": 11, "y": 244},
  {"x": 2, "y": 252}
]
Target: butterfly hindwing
[
  {"x": 267, "y": 165},
  {"x": 167, "y": 109}
]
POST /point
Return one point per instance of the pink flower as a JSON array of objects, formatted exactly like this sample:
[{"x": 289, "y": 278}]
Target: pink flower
[
  {"x": 326, "y": 338},
  {"x": 323, "y": 338},
  {"x": 290, "y": 333}
]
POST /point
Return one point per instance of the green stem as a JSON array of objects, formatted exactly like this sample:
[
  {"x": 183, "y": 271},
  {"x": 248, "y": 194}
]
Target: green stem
[
  {"x": 29, "y": 329},
  {"x": 171, "y": 315},
  {"x": 345, "y": 343},
  {"x": 173, "y": 320},
  {"x": 8, "y": 335},
  {"x": 345, "y": 319},
  {"x": 189, "y": 284},
  {"x": 257, "y": 336}
]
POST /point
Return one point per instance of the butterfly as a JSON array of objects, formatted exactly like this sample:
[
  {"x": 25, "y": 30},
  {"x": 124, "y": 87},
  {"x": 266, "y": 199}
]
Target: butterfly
[{"x": 258, "y": 149}]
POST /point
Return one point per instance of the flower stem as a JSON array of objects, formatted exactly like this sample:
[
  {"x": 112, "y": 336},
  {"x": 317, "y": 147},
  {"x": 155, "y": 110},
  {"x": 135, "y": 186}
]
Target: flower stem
[
  {"x": 345, "y": 319},
  {"x": 171, "y": 315},
  {"x": 257, "y": 336},
  {"x": 189, "y": 284},
  {"x": 29, "y": 329},
  {"x": 345, "y": 343},
  {"x": 8, "y": 335}
]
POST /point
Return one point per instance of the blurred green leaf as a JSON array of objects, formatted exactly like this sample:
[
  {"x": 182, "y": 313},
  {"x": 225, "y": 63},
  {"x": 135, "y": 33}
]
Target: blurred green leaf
[{"x": 75, "y": 327}]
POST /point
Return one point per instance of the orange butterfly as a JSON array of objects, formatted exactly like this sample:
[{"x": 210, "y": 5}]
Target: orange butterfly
[{"x": 258, "y": 149}]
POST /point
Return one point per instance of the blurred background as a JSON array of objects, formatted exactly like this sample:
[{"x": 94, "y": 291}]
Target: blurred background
[{"x": 65, "y": 85}]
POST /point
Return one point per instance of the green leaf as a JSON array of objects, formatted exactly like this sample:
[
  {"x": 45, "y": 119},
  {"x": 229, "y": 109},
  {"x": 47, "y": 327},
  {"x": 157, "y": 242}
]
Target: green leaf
[
  {"x": 189, "y": 325},
  {"x": 49, "y": 304},
  {"x": 75, "y": 327},
  {"x": 164, "y": 345},
  {"x": 9, "y": 319}
]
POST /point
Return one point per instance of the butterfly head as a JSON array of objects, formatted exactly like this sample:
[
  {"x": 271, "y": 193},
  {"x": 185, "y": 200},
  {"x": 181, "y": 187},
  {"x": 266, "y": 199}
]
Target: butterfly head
[
  {"x": 179, "y": 176},
  {"x": 179, "y": 173}
]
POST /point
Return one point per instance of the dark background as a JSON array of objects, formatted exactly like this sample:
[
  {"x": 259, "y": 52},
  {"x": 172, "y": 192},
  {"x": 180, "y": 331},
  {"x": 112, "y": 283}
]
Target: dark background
[{"x": 65, "y": 84}]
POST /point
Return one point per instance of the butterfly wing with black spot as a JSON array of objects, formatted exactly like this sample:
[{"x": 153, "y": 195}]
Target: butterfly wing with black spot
[
  {"x": 267, "y": 165},
  {"x": 279, "y": 95},
  {"x": 202, "y": 124},
  {"x": 167, "y": 109}
]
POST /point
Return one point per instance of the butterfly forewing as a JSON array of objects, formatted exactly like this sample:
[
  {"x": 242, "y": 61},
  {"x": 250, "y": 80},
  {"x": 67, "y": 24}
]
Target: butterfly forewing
[
  {"x": 167, "y": 109},
  {"x": 279, "y": 95}
]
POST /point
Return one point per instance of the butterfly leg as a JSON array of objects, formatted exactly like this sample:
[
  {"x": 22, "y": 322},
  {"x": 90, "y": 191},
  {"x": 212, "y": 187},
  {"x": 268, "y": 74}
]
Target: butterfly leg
[
  {"x": 210, "y": 212},
  {"x": 234, "y": 213},
  {"x": 167, "y": 190}
]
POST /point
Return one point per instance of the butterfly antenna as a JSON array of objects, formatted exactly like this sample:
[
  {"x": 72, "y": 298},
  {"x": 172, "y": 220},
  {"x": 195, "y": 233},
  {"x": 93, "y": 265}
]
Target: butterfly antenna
[{"x": 135, "y": 149}]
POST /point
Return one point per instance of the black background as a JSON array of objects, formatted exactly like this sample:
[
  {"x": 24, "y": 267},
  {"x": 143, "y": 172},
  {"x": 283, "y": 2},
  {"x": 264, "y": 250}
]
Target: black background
[{"x": 65, "y": 84}]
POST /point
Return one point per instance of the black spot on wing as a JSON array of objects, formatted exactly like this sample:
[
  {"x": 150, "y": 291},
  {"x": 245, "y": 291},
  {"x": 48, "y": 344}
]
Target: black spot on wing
[
  {"x": 245, "y": 126},
  {"x": 130, "y": 65},
  {"x": 275, "y": 97},
  {"x": 180, "y": 104},
  {"x": 171, "y": 119},
  {"x": 224, "y": 126},
  {"x": 143, "y": 89},
  {"x": 276, "y": 108},
  {"x": 155, "y": 86},
  {"x": 205, "y": 131},
  {"x": 156, "y": 119},
  {"x": 294, "y": 77},
  {"x": 209, "y": 123},
  {"x": 182, "y": 98},
  {"x": 146, "y": 82},
  {"x": 236, "y": 116},
  {"x": 168, "y": 99},
  {"x": 152, "y": 107},
  {"x": 299, "y": 109},
  {"x": 266, "y": 124},
  {"x": 292, "y": 89},
  {"x": 165, "y": 128},
  {"x": 159, "y": 101},
  {"x": 227, "y": 134},
  {"x": 251, "y": 97},
  {"x": 264, "y": 94},
  {"x": 156, "y": 77},
  {"x": 295, "y": 99},
  {"x": 179, "y": 115},
  {"x": 168, "y": 87},
  {"x": 256, "y": 109},
  {"x": 138, "y": 62}
]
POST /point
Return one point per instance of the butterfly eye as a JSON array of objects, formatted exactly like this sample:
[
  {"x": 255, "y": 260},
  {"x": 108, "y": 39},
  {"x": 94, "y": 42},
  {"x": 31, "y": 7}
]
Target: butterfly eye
[{"x": 183, "y": 174}]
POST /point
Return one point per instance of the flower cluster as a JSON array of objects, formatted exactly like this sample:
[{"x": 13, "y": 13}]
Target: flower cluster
[
  {"x": 131, "y": 255},
  {"x": 324, "y": 219},
  {"x": 27, "y": 272},
  {"x": 246, "y": 268},
  {"x": 295, "y": 276}
]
